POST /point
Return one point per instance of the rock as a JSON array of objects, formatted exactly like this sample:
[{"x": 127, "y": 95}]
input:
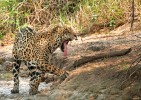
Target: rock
[
  {"x": 95, "y": 48},
  {"x": 8, "y": 65},
  {"x": 1, "y": 68},
  {"x": 2, "y": 44},
  {"x": 8, "y": 58},
  {"x": 2, "y": 60}
]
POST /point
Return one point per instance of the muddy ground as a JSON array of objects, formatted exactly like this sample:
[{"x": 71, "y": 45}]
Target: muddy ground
[{"x": 96, "y": 79}]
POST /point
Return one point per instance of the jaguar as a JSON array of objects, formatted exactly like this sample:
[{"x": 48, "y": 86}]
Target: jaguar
[{"x": 35, "y": 49}]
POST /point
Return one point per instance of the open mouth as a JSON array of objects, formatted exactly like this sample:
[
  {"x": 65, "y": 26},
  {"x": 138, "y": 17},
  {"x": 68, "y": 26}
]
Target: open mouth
[{"x": 64, "y": 47}]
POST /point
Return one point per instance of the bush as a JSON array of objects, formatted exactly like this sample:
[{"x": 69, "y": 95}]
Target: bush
[{"x": 80, "y": 14}]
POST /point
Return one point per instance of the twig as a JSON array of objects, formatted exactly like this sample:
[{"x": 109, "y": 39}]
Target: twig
[
  {"x": 135, "y": 63},
  {"x": 129, "y": 74},
  {"x": 132, "y": 21}
]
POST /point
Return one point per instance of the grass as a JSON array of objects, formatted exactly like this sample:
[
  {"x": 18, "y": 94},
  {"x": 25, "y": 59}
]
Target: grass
[
  {"x": 6, "y": 76},
  {"x": 79, "y": 14}
]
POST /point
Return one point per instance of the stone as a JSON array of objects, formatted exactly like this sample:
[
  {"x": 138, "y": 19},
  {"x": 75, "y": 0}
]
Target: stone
[
  {"x": 8, "y": 65},
  {"x": 1, "y": 68}
]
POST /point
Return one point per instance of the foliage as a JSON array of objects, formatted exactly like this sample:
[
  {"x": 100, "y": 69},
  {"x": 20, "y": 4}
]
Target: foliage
[{"x": 80, "y": 14}]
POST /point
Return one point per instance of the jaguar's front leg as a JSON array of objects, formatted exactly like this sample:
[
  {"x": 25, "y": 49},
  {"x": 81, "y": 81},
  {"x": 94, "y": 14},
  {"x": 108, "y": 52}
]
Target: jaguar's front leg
[
  {"x": 36, "y": 78},
  {"x": 55, "y": 70},
  {"x": 16, "y": 66}
]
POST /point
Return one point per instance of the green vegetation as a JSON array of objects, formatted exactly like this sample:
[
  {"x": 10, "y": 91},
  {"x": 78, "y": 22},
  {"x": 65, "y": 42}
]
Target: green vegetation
[
  {"x": 7, "y": 76},
  {"x": 80, "y": 14}
]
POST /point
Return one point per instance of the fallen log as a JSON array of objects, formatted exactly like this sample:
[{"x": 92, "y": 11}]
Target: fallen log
[{"x": 73, "y": 62}]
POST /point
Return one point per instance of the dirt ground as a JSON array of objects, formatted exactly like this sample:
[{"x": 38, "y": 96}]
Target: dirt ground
[{"x": 102, "y": 79}]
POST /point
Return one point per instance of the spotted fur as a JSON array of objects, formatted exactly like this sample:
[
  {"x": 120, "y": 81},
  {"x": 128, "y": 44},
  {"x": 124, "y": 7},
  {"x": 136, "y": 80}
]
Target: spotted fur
[{"x": 35, "y": 50}]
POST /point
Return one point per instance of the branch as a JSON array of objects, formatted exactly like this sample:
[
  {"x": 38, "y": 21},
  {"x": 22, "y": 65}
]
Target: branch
[{"x": 132, "y": 21}]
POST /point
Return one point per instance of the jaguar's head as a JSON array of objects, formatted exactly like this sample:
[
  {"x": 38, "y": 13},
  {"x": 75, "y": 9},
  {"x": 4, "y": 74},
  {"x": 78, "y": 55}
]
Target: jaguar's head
[{"x": 67, "y": 35}]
